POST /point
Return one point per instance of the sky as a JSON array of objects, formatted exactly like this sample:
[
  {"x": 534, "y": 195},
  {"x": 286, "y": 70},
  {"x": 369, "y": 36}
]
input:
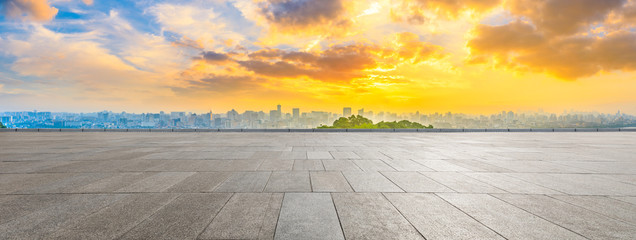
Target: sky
[{"x": 470, "y": 56}]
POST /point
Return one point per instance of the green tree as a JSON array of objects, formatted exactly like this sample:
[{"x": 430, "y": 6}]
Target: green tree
[
  {"x": 357, "y": 121},
  {"x": 2, "y": 125}
]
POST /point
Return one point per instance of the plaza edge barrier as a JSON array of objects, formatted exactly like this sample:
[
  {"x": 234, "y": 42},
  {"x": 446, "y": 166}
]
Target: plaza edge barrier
[{"x": 434, "y": 130}]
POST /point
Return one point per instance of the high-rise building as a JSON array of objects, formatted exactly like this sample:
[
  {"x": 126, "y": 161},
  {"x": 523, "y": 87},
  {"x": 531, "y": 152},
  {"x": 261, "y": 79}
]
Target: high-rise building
[
  {"x": 346, "y": 112},
  {"x": 279, "y": 109},
  {"x": 296, "y": 113},
  {"x": 274, "y": 115},
  {"x": 361, "y": 112}
]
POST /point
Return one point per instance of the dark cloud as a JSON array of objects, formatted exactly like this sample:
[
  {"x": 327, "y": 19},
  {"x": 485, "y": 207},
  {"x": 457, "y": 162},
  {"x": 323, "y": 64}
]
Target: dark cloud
[
  {"x": 213, "y": 57},
  {"x": 301, "y": 12},
  {"x": 266, "y": 54},
  {"x": 275, "y": 69},
  {"x": 505, "y": 38},
  {"x": 188, "y": 43},
  {"x": 563, "y": 17},
  {"x": 219, "y": 83}
]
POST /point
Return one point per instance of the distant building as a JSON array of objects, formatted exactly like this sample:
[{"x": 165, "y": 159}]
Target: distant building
[
  {"x": 296, "y": 114},
  {"x": 274, "y": 115},
  {"x": 346, "y": 112},
  {"x": 361, "y": 112}
]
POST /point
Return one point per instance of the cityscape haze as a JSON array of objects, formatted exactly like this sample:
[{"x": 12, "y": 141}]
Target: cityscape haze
[{"x": 280, "y": 119}]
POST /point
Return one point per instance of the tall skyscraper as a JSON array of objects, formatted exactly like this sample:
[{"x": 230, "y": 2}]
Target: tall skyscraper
[
  {"x": 346, "y": 112},
  {"x": 296, "y": 113},
  {"x": 361, "y": 112},
  {"x": 279, "y": 109}
]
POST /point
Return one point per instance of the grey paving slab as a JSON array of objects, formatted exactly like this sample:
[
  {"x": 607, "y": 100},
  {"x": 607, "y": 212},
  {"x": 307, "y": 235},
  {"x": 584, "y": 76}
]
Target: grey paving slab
[
  {"x": 113, "y": 183},
  {"x": 507, "y": 220},
  {"x": 246, "y": 216},
  {"x": 510, "y": 184},
  {"x": 437, "y": 219},
  {"x": 415, "y": 182},
  {"x": 276, "y": 165},
  {"x": 308, "y": 216},
  {"x": 293, "y": 155},
  {"x": 584, "y": 222},
  {"x": 340, "y": 165},
  {"x": 157, "y": 183},
  {"x": 289, "y": 181},
  {"x": 184, "y": 166},
  {"x": 69, "y": 185},
  {"x": 314, "y": 165},
  {"x": 478, "y": 166},
  {"x": 631, "y": 200},
  {"x": 44, "y": 222},
  {"x": 604, "y": 205},
  {"x": 344, "y": 155},
  {"x": 244, "y": 182},
  {"x": 370, "y": 182},
  {"x": 237, "y": 165},
  {"x": 329, "y": 182},
  {"x": 29, "y": 166},
  {"x": 319, "y": 155},
  {"x": 626, "y": 178},
  {"x": 200, "y": 182},
  {"x": 139, "y": 165},
  {"x": 621, "y": 167},
  {"x": 184, "y": 218},
  {"x": 442, "y": 165},
  {"x": 406, "y": 165},
  {"x": 580, "y": 184},
  {"x": 118, "y": 218},
  {"x": 372, "y": 154},
  {"x": 11, "y": 183},
  {"x": 371, "y": 216},
  {"x": 266, "y": 155},
  {"x": 15, "y": 206},
  {"x": 536, "y": 166},
  {"x": 373, "y": 165},
  {"x": 462, "y": 183}
]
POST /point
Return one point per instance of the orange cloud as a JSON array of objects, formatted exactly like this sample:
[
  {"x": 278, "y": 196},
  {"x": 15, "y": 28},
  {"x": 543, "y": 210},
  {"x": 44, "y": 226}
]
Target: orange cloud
[
  {"x": 565, "y": 39},
  {"x": 336, "y": 64},
  {"x": 520, "y": 46},
  {"x": 341, "y": 63},
  {"x": 414, "y": 11},
  {"x": 37, "y": 10},
  {"x": 562, "y": 17}
]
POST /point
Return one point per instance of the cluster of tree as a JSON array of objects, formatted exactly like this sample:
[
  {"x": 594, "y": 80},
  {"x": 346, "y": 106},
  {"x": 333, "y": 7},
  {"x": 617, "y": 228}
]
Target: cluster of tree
[
  {"x": 357, "y": 121},
  {"x": 2, "y": 125}
]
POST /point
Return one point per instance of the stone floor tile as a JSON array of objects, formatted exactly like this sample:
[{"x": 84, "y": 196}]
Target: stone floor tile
[
  {"x": 308, "y": 216},
  {"x": 371, "y": 216}
]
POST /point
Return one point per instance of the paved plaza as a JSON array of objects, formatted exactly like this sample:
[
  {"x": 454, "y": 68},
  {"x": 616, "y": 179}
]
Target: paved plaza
[{"x": 318, "y": 185}]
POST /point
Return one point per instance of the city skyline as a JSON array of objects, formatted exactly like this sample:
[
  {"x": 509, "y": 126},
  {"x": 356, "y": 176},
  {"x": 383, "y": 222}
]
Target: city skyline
[
  {"x": 279, "y": 118},
  {"x": 474, "y": 57}
]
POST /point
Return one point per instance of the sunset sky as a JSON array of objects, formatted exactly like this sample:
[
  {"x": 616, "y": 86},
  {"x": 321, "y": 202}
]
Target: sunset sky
[{"x": 471, "y": 56}]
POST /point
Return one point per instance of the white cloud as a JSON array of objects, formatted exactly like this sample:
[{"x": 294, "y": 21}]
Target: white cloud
[
  {"x": 195, "y": 22},
  {"x": 112, "y": 61}
]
